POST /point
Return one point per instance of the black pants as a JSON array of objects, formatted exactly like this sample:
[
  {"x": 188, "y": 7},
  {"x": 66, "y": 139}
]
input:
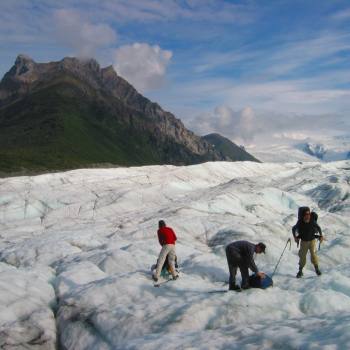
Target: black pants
[{"x": 235, "y": 260}]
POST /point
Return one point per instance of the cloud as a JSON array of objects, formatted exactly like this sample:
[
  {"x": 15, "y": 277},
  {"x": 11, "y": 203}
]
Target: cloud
[
  {"x": 237, "y": 125},
  {"x": 142, "y": 65},
  {"x": 341, "y": 15},
  {"x": 286, "y": 57},
  {"x": 194, "y": 10},
  {"x": 80, "y": 35},
  {"x": 247, "y": 126}
]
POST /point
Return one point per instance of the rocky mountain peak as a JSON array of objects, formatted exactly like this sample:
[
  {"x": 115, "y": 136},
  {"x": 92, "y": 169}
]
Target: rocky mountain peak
[
  {"x": 131, "y": 129},
  {"x": 23, "y": 60},
  {"x": 23, "y": 68},
  {"x": 18, "y": 79},
  {"x": 74, "y": 63}
]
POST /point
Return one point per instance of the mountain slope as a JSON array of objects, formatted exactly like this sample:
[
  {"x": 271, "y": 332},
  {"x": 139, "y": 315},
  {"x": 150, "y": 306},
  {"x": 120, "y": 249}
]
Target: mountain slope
[
  {"x": 227, "y": 148},
  {"x": 72, "y": 113}
]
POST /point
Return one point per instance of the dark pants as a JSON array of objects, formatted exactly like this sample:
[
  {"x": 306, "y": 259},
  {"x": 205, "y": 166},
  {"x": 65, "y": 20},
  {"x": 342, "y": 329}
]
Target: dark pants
[{"x": 235, "y": 260}]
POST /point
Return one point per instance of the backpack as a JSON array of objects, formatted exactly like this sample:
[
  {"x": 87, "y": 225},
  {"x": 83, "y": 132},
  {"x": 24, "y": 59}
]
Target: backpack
[
  {"x": 314, "y": 217},
  {"x": 256, "y": 282},
  {"x": 166, "y": 267}
]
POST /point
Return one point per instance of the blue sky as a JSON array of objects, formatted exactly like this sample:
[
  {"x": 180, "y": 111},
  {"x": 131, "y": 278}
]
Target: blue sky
[{"x": 242, "y": 68}]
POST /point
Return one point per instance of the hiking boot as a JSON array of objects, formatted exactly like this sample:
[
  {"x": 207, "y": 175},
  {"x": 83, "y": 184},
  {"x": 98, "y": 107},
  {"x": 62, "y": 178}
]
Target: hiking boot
[
  {"x": 234, "y": 287},
  {"x": 155, "y": 279},
  {"x": 317, "y": 270},
  {"x": 245, "y": 286},
  {"x": 300, "y": 274},
  {"x": 175, "y": 277}
]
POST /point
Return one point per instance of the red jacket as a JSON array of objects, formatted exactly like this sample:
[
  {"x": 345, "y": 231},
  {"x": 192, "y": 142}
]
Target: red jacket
[{"x": 166, "y": 235}]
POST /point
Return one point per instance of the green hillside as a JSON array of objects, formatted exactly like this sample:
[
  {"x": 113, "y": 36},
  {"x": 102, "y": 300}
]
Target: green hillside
[
  {"x": 61, "y": 127},
  {"x": 229, "y": 149}
]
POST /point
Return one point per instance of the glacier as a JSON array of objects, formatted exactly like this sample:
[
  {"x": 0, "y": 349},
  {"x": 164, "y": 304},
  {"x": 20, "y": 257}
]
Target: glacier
[{"x": 76, "y": 249}]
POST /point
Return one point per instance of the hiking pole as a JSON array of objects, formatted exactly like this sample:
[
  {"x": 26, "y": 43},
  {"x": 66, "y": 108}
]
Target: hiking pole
[{"x": 279, "y": 260}]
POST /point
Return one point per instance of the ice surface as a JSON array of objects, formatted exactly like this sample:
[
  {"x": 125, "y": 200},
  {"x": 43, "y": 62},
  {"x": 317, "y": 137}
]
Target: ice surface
[{"x": 76, "y": 250}]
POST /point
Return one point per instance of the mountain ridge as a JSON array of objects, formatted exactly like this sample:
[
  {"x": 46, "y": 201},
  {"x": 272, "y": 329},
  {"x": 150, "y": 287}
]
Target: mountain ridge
[
  {"x": 228, "y": 149},
  {"x": 55, "y": 104}
]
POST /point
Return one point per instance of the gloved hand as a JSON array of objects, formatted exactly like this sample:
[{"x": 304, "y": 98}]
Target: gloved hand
[{"x": 296, "y": 240}]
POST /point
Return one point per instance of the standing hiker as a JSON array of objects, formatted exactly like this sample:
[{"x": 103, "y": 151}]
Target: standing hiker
[
  {"x": 241, "y": 254},
  {"x": 304, "y": 231},
  {"x": 167, "y": 238}
]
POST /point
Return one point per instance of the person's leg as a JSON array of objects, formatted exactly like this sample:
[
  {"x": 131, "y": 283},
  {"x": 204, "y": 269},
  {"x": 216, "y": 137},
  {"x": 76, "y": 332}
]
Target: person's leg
[
  {"x": 171, "y": 260},
  {"x": 304, "y": 247},
  {"x": 162, "y": 256},
  {"x": 245, "y": 275},
  {"x": 232, "y": 267},
  {"x": 314, "y": 257}
]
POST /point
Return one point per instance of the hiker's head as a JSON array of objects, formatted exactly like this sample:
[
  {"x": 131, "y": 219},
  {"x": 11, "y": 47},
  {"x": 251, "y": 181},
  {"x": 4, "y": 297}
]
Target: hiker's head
[
  {"x": 161, "y": 223},
  {"x": 307, "y": 216},
  {"x": 260, "y": 248}
]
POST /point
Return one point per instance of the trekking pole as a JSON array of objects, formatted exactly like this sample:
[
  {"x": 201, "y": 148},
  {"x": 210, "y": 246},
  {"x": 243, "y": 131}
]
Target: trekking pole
[{"x": 279, "y": 260}]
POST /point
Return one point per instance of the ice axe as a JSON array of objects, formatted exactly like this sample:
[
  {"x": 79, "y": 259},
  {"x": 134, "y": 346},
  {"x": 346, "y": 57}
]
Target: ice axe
[{"x": 279, "y": 260}]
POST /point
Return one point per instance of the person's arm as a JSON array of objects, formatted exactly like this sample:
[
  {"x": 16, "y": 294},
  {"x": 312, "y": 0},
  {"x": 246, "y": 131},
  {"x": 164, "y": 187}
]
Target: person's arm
[
  {"x": 175, "y": 238},
  {"x": 250, "y": 257},
  {"x": 253, "y": 266},
  {"x": 318, "y": 228},
  {"x": 160, "y": 238},
  {"x": 295, "y": 228}
]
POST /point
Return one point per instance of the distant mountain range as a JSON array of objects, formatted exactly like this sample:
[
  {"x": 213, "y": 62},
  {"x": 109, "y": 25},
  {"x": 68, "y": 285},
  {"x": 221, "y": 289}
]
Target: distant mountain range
[
  {"x": 72, "y": 113},
  {"x": 312, "y": 149},
  {"x": 327, "y": 152}
]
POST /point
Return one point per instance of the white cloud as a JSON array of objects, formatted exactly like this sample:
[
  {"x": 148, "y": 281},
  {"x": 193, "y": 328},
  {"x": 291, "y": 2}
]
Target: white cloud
[
  {"x": 248, "y": 125},
  {"x": 83, "y": 37},
  {"x": 341, "y": 15},
  {"x": 142, "y": 65},
  {"x": 194, "y": 10},
  {"x": 237, "y": 125}
]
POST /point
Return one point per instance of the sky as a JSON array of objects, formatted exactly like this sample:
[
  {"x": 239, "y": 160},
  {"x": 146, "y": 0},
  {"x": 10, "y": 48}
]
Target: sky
[{"x": 255, "y": 71}]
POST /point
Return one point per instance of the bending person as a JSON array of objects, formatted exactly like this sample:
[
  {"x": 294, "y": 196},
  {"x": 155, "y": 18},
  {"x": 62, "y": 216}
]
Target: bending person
[
  {"x": 240, "y": 254},
  {"x": 167, "y": 238}
]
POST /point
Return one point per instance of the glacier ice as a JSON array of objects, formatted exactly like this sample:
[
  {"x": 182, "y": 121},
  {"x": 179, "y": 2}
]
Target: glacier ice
[{"x": 76, "y": 250}]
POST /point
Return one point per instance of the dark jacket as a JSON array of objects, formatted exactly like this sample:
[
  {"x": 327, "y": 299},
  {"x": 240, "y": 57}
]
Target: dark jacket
[
  {"x": 246, "y": 250},
  {"x": 306, "y": 231}
]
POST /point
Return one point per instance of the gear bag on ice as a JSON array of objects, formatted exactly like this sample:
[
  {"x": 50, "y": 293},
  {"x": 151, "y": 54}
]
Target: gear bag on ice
[
  {"x": 257, "y": 282},
  {"x": 166, "y": 267}
]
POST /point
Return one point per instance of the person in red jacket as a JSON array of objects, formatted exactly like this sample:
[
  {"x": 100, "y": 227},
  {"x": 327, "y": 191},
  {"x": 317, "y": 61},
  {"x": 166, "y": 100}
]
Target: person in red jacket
[{"x": 166, "y": 238}]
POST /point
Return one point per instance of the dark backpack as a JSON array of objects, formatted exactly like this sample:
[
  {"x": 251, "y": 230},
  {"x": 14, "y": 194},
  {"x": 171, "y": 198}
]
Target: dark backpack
[
  {"x": 314, "y": 217},
  {"x": 256, "y": 282}
]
